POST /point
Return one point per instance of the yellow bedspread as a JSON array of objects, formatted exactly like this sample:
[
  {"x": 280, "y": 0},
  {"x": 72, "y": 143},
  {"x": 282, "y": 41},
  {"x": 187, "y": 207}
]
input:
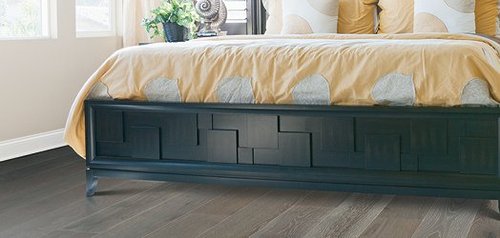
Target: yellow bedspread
[{"x": 346, "y": 69}]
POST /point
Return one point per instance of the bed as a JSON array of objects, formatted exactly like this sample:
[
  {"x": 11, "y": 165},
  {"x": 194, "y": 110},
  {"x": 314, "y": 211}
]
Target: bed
[{"x": 308, "y": 111}]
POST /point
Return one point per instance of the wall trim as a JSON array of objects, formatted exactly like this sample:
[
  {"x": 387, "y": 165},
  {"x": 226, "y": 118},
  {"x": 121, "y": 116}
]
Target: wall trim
[{"x": 27, "y": 145}]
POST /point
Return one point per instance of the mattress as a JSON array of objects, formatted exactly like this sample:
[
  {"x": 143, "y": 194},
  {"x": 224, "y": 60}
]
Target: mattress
[{"x": 324, "y": 69}]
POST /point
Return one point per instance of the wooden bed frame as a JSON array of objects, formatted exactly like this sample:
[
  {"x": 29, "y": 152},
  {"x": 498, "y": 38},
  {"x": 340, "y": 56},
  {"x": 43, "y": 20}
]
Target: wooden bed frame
[{"x": 450, "y": 152}]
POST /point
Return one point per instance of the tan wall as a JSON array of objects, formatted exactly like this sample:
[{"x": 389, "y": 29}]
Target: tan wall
[{"x": 40, "y": 78}]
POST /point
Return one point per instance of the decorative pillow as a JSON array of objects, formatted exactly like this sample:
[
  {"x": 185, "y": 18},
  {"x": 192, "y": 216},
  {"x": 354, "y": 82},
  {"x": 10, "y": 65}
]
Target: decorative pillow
[
  {"x": 393, "y": 20},
  {"x": 311, "y": 16},
  {"x": 452, "y": 16},
  {"x": 487, "y": 16},
  {"x": 498, "y": 19},
  {"x": 396, "y": 16},
  {"x": 355, "y": 16},
  {"x": 274, "y": 22}
]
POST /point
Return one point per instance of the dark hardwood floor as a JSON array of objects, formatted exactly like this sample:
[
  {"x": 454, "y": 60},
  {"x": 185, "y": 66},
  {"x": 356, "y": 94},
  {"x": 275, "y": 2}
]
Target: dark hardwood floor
[{"x": 43, "y": 195}]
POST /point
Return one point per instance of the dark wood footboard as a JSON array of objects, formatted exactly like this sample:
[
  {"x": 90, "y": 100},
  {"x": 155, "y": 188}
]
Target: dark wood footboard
[{"x": 399, "y": 150}]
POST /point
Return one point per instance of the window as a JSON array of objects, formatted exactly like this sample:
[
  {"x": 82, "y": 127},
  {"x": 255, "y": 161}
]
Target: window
[
  {"x": 237, "y": 15},
  {"x": 21, "y": 19},
  {"x": 236, "y": 11},
  {"x": 95, "y": 17}
]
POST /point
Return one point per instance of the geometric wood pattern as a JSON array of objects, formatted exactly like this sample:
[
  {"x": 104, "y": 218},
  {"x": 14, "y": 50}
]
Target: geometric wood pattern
[
  {"x": 478, "y": 155},
  {"x": 418, "y": 151},
  {"x": 222, "y": 146},
  {"x": 372, "y": 143},
  {"x": 109, "y": 126},
  {"x": 383, "y": 152}
]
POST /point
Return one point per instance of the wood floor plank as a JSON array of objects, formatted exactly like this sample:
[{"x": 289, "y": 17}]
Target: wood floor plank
[
  {"x": 35, "y": 169},
  {"x": 448, "y": 218},
  {"x": 33, "y": 159},
  {"x": 400, "y": 218},
  {"x": 38, "y": 208},
  {"x": 298, "y": 219},
  {"x": 352, "y": 217},
  {"x": 23, "y": 180},
  {"x": 108, "y": 195},
  {"x": 40, "y": 187},
  {"x": 201, "y": 219},
  {"x": 116, "y": 214},
  {"x": 69, "y": 234},
  {"x": 191, "y": 225},
  {"x": 255, "y": 215},
  {"x": 487, "y": 221},
  {"x": 163, "y": 213},
  {"x": 43, "y": 196}
]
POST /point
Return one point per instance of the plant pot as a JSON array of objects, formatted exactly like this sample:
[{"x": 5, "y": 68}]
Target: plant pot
[{"x": 175, "y": 33}]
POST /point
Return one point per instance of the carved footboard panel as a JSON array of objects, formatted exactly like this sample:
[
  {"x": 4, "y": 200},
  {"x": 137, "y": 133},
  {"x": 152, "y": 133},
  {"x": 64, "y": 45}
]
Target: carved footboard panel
[{"x": 423, "y": 151}]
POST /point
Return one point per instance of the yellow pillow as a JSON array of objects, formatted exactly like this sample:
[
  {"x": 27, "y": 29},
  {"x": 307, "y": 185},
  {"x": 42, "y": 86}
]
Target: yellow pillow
[
  {"x": 396, "y": 16},
  {"x": 487, "y": 16},
  {"x": 355, "y": 16}
]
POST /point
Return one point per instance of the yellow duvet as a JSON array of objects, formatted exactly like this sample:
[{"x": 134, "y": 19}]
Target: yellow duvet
[{"x": 406, "y": 69}]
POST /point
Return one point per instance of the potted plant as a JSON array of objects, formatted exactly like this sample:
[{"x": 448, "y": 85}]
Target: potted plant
[{"x": 178, "y": 18}]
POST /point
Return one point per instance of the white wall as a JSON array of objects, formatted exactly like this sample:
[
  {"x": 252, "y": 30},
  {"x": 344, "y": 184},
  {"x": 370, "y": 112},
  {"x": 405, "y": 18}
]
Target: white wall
[{"x": 40, "y": 78}]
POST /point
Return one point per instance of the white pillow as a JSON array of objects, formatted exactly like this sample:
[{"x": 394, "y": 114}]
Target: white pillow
[
  {"x": 452, "y": 16},
  {"x": 310, "y": 16}
]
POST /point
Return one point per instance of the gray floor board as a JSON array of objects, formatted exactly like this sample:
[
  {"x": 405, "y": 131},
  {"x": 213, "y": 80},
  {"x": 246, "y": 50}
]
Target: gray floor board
[
  {"x": 298, "y": 219},
  {"x": 69, "y": 234},
  {"x": 448, "y": 218},
  {"x": 111, "y": 192},
  {"x": 201, "y": 219},
  {"x": 45, "y": 185},
  {"x": 409, "y": 212},
  {"x": 255, "y": 215},
  {"x": 352, "y": 217},
  {"x": 171, "y": 209},
  {"x": 487, "y": 221},
  {"x": 43, "y": 195},
  {"x": 126, "y": 209},
  {"x": 33, "y": 159}
]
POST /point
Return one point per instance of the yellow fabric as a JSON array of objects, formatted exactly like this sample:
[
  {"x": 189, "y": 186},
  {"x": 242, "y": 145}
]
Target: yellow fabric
[
  {"x": 355, "y": 16},
  {"x": 440, "y": 64},
  {"x": 396, "y": 16},
  {"x": 486, "y": 16}
]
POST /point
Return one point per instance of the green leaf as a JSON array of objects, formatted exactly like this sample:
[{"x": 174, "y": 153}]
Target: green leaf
[{"x": 181, "y": 12}]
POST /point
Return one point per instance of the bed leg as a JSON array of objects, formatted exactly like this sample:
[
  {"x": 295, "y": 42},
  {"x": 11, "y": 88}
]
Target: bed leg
[
  {"x": 91, "y": 183},
  {"x": 498, "y": 204}
]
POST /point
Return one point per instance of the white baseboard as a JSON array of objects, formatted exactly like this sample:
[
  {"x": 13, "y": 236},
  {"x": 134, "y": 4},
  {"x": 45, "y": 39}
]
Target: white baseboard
[{"x": 18, "y": 147}]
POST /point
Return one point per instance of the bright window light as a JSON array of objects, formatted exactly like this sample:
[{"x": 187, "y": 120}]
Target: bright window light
[
  {"x": 236, "y": 11},
  {"x": 95, "y": 17},
  {"x": 24, "y": 19}
]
